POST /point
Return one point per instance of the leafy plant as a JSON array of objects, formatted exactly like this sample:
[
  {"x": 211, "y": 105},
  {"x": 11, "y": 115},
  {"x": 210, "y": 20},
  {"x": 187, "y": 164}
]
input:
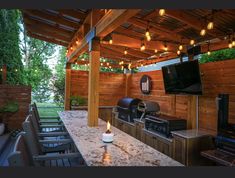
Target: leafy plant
[
  {"x": 9, "y": 107},
  {"x": 77, "y": 101}
]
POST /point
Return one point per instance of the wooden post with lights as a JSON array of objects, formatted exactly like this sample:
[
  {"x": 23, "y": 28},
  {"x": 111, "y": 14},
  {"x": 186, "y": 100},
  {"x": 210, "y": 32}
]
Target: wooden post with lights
[
  {"x": 93, "y": 89},
  {"x": 67, "y": 86}
]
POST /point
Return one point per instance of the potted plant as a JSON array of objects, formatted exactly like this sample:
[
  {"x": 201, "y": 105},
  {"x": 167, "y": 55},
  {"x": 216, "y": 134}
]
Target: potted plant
[
  {"x": 9, "y": 107},
  {"x": 76, "y": 101}
]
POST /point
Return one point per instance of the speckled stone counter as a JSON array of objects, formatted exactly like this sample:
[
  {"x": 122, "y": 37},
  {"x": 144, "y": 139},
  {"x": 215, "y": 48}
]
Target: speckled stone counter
[
  {"x": 124, "y": 151},
  {"x": 193, "y": 133}
]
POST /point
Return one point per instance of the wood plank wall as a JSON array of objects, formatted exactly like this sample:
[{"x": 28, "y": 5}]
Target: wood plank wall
[
  {"x": 218, "y": 77},
  {"x": 21, "y": 94},
  {"x": 112, "y": 86}
]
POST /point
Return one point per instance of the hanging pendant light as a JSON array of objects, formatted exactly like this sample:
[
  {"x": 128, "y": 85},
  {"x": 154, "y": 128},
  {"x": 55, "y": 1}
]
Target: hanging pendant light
[
  {"x": 147, "y": 33},
  {"x": 125, "y": 52},
  {"x": 180, "y": 47},
  {"x": 210, "y": 25},
  {"x": 142, "y": 47},
  {"x": 203, "y": 32},
  {"x": 162, "y": 12},
  {"x": 178, "y": 52},
  {"x": 165, "y": 47},
  {"x": 192, "y": 42}
]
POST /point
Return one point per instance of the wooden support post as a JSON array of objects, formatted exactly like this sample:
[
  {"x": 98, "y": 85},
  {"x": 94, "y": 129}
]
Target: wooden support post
[
  {"x": 93, "y": 89},
  {"x": 4, "y": 74},
  {"x": 67, "y": 87}
]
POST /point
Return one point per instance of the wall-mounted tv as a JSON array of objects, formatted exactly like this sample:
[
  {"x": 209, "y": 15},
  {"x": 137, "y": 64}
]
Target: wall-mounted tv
[{"x": 182, "y": 78}]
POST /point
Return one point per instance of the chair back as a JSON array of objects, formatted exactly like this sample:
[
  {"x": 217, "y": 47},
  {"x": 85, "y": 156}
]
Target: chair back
[
  {"x": 34, "y": 120},
  {"x": 20, "y": 155},
  {"x": 34, "y": 107},
  {"x": 31, "y": 137}
]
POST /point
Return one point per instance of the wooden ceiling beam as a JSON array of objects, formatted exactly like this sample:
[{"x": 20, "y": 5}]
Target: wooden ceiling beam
[
  {"x": 50, "y": 27},
  {"x": 73, "y": 13},
  {"x": 122, "y": 40},
  {"x": 113, "y": 19},
  {"x": 50, "y": 40},
  {"x": 190, "y": 20},
  {"x": 116, "y": 54},
  {"x": 158, "y": 30},
  {"x": 54, "y": 18},
  {"x": 130, "y": 52},
  {"x": 108, "y": 23},
  {"x": 48, "y": 34}
]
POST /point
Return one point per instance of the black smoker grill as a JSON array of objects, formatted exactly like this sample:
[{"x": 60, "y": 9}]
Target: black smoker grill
[
  {"x": 127, "y": 109},
  {"x": 148, "y": 107}
]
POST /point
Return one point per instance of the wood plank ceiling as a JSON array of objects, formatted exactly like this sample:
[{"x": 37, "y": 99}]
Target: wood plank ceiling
[{"x": 172, "y": 29}]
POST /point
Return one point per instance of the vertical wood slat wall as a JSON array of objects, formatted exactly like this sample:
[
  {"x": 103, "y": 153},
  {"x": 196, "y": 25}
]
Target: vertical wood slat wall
[
  {"x": 21, "y": 94},
  {"x": 218, "y": 77}
]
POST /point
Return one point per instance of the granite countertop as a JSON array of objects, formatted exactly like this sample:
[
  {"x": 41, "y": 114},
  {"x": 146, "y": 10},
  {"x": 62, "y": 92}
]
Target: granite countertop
[
  {"x": 124, "y": 151},
  {"x": 193, "y": 133}
]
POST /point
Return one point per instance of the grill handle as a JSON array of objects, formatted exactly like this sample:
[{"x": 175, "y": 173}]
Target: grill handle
[
  {"x": 159, "y": 122},
  {"x": 122, "y": 108}
]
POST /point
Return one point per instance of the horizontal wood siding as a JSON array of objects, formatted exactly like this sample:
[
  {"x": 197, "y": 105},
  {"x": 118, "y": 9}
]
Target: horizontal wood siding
[
  {"x": 21, "y": 94},
  {"x": 112, "y": 86}
]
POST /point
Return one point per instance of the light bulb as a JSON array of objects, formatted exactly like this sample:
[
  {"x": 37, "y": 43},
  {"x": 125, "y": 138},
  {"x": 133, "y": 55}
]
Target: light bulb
[
  {"x": 125, "y": 52},
  {"x": 101, "y": 64},
  {"x": 165, "y": 48},
  {"x": 16, "y": 70},
  {"x": 71, "y": 48},
  {"x": 162, "y": 12},
  {"x": 208, "y": 53},
  {"x": 83, "y": 59},
  {"x": 155, "y": 50},
  {"x": 180, "y": 47},
  {"x": 233, "y": 42},
  {"x": 142, "y": 48},
  {"x": 107, "y": 64},
  {"x": 122, "y": 67},
  {"x": 142, "y": 65},
  {"x": 76, "y": 63},
  {"x": 110, "y": 41},
  {"x": 192, "y": 42},
  {"x": 178, "y": 52},
  {"x": 77, "y": 42},
  {"x": 148, "y": 38},
  {"x": 147, "y": 33},
  {"x": 230, "y": 45},
  {"x": 210, "y": 25},
  {"x": 203, "y": 32}
]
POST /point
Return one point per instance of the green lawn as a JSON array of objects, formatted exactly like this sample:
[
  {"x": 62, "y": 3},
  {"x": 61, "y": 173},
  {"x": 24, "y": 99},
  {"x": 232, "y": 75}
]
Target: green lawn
[{"x": 48, "y": 109}]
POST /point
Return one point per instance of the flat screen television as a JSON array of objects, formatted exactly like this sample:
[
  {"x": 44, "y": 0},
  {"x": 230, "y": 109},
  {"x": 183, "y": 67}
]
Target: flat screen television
[{"x": 182, "y": 78}]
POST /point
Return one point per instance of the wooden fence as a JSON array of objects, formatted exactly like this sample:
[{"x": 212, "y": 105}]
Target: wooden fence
[
  {"x": 21, "y": 94},
  {"x": 217, "y": 77}
]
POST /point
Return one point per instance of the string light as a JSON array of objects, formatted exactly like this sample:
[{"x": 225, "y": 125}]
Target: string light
[
  {"x": 210, "y": 25},
  {"x": 178, "y": 52},
  {"x": 110, "y": 40},
  {"x": 233, "y": 41},
  {"x": 1, "y": 69},
  {"x": 107, "y": 64},
  {"x": 101, "y": 64},
  {"x": 129, "y": 66},
  {"x": 16, "y": 70},
  {"x": 148, "y": 38},
  {"x": 77, "y": 42},
  {"x": 162, "y": 12},
  {"x": 125, "y": 52},
  {"x": 71, "y": 48},
  {"x": 142, "y": 47},
  {"x": 122, "y": 68},
  {"x": 147, "y": 33},
  {"x": 208, "y": 51},
  {"x": 76, "y": 62},
  {"x": 142, "y": 65},
  {"x": 110, "y": 67},
  {"x": 165, "y": 47},
  {"x": 155, "y": 50},
  {"x": 230, "y": 44},
  {"x": 203, "y": 32},
  {"x": 180, "y": 47},
  {"x": 192, "y": 42},
  {"x": 83, "y": 59}
]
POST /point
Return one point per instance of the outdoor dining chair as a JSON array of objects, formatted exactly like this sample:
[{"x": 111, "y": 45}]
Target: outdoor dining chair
[
  {"x": 48, "y": 142},
  {"x": 21, "y": 156}
]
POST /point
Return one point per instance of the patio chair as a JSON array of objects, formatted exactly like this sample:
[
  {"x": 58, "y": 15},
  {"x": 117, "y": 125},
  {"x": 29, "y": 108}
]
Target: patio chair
[
  {"x": 46, "y": 127},
  {"x": 21, "y": 156},
  {"x": 45, "y": 119},
  {"x": 47, "y": 142}
]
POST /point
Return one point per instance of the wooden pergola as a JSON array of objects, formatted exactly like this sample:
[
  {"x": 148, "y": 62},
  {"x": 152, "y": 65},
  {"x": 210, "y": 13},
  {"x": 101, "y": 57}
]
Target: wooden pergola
[{"x": 119, "y": 34}]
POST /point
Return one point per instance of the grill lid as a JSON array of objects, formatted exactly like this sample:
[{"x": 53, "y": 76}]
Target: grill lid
[{"x": 127, "y": 102}]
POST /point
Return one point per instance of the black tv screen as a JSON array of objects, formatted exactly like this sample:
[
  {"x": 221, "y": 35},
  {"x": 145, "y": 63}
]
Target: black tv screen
[{"x": 182, "y": 78}]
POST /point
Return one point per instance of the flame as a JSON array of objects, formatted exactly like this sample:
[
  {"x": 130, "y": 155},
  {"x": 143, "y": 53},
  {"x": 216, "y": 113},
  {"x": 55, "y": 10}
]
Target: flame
[{"x": 108, "y": 126}]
